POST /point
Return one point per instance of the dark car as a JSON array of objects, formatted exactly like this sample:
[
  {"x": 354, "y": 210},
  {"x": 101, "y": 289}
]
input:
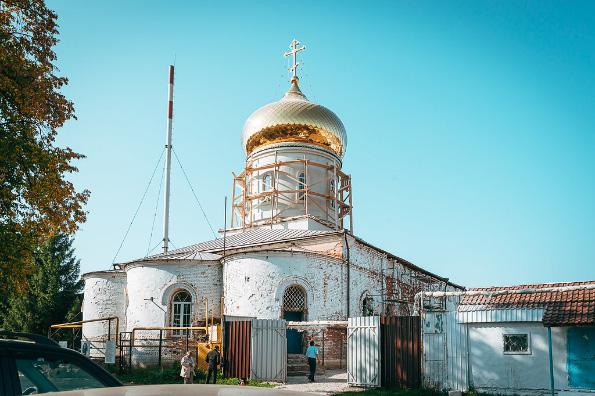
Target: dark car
[{"x": 32, "y": 364}]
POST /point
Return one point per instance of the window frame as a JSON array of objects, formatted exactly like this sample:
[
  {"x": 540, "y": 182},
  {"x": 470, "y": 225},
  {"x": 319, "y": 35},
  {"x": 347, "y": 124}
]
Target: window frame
[
  {"x": 302, "y": 185},
  {"x": 296, "y": 286},
  {"x": 504, "y": 342},
  {"x": 367, "y": 306},
  {"x": 182, "y": 313},
  {"x": 331, "y": 190},
  {"x": 266, "y": 187}
]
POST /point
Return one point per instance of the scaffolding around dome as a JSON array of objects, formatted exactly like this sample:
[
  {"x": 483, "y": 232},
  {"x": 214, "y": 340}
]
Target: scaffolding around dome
[{"x": 252, "y": 193}]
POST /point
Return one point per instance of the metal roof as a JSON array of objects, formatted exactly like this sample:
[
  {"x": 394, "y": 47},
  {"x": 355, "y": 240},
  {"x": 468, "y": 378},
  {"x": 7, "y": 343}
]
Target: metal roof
[
  {"x": 239, "y": 240},
  {"x": 211, "y": 250},
  {"x": 501, "y": 315}
]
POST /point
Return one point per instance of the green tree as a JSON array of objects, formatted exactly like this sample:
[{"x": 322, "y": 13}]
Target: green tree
[
  {"x": 53, "y": 292},
  {"x": 36, "y": 201}
]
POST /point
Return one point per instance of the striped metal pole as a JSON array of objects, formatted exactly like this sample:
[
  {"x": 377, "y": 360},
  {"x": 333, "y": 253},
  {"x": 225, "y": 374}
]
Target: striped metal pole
[{"x": 170, "y": 113}]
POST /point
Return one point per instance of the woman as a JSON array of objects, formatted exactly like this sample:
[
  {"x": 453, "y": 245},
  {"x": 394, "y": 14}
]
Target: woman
[{"x": 187, "y": 368}]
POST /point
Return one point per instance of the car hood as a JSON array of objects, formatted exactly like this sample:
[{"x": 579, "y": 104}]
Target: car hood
[{"x": 182, "y": 390}]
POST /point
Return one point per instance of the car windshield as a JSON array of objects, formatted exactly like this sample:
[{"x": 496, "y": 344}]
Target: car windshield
[{"x": 43, "y": 375}]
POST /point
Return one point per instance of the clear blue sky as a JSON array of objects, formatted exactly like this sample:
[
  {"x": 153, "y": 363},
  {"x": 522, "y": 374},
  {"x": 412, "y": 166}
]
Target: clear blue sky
[{"x": 471, "y": 124}]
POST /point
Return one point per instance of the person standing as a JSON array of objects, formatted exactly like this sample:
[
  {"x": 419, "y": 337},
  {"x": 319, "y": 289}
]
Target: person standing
[
  {"x": 312, "y": 355},
  {"x": 212, "y": 360},
  {"x": 187, "y": 371}
]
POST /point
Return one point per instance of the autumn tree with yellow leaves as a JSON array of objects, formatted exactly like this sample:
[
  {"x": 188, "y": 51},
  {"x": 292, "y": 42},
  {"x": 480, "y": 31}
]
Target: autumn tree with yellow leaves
[{"x": 36, "y": 200}]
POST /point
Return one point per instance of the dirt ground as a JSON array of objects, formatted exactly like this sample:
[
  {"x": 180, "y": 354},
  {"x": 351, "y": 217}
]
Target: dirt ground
[{"x": 334, "y": 381}]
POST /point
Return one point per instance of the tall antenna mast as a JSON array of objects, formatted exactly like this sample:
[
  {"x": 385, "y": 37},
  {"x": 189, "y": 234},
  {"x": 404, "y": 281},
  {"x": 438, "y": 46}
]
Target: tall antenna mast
[{"x": 170, "y": 112}]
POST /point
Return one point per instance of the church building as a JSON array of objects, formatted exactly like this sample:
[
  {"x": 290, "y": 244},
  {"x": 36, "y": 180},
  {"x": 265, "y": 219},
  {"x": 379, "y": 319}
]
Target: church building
[{"x": 290, "y": 252}]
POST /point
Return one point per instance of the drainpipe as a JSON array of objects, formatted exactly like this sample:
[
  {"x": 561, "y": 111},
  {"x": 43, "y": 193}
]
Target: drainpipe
[
  {"x": 348, "y": 270},
  {"x": 549, "y": 340}
]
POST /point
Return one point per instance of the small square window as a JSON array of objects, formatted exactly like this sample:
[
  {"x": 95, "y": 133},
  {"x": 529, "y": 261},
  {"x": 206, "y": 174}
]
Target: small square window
[{"x": 516, "y": 344}]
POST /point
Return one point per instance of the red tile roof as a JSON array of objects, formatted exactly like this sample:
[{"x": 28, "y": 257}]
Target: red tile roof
[{"x": 562, "y": 308}]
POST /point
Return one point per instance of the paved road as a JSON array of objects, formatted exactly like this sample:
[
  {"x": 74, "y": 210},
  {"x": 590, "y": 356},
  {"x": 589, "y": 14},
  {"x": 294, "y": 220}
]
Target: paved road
[{"x": 334, "y": 381}]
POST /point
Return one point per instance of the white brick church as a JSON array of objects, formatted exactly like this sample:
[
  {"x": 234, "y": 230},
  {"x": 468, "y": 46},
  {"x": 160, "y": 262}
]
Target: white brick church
[{"x": 290, "y": 252}]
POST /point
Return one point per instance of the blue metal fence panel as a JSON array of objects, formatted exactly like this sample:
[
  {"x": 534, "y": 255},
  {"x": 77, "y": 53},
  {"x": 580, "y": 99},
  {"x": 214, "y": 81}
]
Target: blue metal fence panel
[{"x": 581, "y": 357}]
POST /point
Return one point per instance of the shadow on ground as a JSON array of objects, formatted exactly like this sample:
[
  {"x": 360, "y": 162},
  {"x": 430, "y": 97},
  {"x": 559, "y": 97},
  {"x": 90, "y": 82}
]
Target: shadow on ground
[{"x": 334, "y": 381}]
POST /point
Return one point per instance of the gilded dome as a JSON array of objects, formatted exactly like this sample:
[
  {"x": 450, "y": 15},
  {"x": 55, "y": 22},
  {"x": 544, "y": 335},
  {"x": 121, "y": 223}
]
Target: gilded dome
[{"x": 294, "y": 119}]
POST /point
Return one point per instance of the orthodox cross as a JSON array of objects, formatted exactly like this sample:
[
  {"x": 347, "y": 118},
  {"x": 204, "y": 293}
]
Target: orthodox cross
[{"x": 294, "y": 46}]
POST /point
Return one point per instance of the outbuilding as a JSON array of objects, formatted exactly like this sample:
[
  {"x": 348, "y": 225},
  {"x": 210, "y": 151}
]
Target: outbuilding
[{"x": 529, "y": 339}]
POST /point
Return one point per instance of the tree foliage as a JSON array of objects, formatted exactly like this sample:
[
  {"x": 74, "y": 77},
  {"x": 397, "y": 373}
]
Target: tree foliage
[
  {"x": 36, "y": 201},
  {"x": 53, "y": 293}
]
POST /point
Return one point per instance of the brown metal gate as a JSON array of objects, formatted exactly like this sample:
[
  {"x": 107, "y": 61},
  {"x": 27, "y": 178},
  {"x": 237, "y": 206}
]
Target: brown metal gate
[
  {"x": 236, "y": 349},
  {"x": 401, "y": 351}
]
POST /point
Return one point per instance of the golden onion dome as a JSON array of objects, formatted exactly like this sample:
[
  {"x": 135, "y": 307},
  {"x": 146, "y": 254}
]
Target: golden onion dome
[{"x": 294, "y": 119}]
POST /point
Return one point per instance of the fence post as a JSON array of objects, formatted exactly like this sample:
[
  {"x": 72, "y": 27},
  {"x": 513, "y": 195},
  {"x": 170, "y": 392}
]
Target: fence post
[
  {"x": 187, "y": 334},
  {"x": 323, "y": 350},
  {"x": 160, "y": 342},
  {"x": 130, "y": 355},
  {"x": 109, "y": 328},
  {"x": 120, "y": 363}
]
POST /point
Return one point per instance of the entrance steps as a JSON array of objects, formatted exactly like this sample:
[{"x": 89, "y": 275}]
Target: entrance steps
[{"x": 297, "y": 365}]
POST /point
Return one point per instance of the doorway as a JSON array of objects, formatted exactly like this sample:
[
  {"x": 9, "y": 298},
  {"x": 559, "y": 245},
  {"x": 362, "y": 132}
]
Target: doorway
[
  {"x": 294, "y": 310},
  {"x": 294, "y": 337}
]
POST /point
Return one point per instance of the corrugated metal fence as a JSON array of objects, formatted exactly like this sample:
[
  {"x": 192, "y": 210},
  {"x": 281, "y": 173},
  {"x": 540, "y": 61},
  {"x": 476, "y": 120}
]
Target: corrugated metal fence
[
  {"x": 401, "y": 351},
  {"x": 363, "y": 351},
  {"x": 236, "y": 349},
  {"x": 384, "y": 351},
  {"x": 445, "y": 352},
  {"x": 268, "y": 361}
]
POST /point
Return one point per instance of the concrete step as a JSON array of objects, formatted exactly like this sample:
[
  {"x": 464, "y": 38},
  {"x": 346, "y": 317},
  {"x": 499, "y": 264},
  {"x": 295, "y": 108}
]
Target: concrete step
[{"x": 297, "y": 365}]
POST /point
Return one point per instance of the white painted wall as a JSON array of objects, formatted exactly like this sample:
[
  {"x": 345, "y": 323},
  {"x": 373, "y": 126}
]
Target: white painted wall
[
  {"x": 494, "y": 371},
  {"x": 151, "y": 287},
  {"x": 104, "y": 296},
  {"x": 254, "y": 284}
]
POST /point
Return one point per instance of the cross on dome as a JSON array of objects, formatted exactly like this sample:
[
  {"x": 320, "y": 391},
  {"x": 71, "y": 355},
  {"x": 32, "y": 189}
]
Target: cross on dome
[{"x": 294, "y": 50}]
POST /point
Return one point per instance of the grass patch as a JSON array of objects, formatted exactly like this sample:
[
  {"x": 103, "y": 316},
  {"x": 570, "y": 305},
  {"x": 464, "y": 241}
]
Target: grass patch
[
  {"x": 395, "y": 391},
  {"x": 411, "y": 392},
  {"x": 170, "y": 375}
]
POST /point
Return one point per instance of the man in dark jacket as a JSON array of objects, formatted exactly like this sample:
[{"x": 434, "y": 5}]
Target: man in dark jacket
[{"x": 212, "y": 360}]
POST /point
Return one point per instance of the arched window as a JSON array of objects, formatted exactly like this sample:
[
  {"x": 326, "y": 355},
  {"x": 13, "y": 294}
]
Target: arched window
[
  {"x": 294, "y": 299},
  {"x": 181, "y": 312},
  {"x": 266, "y": 182},
  {"x": 301, "y": 185},
  {"x": 332, "y": 192},
  {"x": 368, "y": 306},
  {"x": 266, "y": 186}
]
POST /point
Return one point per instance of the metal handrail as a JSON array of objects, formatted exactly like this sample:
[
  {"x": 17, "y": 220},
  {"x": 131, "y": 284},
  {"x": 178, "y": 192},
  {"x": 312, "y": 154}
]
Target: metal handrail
[{"x": 79, "y": 324}]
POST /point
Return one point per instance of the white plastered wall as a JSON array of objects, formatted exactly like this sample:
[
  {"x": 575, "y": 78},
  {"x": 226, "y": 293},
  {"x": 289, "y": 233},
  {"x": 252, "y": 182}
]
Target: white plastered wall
[
  {"x": 494, "y": 371},
  {"x": 254, "y": 284},
  {"x": 151, "y": 287},
  {"x": 104, "y": 296}
]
